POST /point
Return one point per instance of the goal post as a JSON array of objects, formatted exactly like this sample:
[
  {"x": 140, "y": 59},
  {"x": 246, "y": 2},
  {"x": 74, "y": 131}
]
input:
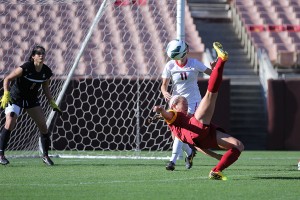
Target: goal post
[{"x": 107, "y": 57}]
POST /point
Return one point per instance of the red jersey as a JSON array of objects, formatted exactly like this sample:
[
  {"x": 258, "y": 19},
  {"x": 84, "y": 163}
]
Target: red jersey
[{"x": 191, "y": 131}]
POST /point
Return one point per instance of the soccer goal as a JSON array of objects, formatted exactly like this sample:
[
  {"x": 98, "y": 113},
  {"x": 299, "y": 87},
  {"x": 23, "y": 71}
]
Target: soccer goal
[{"x": 107, "y": 57}]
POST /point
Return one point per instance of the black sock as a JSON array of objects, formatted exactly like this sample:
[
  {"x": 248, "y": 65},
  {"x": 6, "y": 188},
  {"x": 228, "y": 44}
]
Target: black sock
[
  {"x": 45, "y": 142},
  {"x": 4, "y": 138}
]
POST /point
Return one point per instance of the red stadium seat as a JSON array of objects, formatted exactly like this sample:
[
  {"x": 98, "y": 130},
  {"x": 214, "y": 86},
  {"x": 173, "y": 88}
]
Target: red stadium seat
[
  {"x": 255, "y": 28},
  {"x": 276, "y": 28},
  {"x": 122, "y": 2},
  {"x": 139, "y": 2},
  {"x": 293, "y": 28}
]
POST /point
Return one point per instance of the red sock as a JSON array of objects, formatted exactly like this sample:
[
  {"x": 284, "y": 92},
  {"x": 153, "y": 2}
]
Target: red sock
[
  {"x": 227, "y": 159},
  {"x": 215, "y": 79}
]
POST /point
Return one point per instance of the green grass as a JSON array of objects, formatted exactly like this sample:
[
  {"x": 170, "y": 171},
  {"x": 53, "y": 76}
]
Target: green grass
[{"x": 256, "y": 175}]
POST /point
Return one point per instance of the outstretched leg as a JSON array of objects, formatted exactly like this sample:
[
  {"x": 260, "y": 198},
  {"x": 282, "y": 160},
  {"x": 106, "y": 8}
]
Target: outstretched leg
[
  {"x": 206, "y": 108},
  {"x": 234, "y": 146}
]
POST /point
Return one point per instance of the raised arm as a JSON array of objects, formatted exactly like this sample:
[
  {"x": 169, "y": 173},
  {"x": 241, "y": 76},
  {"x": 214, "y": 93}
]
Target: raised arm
[
  {"x": 164, "y": 89},
  {"x": 165, "y": 114}
]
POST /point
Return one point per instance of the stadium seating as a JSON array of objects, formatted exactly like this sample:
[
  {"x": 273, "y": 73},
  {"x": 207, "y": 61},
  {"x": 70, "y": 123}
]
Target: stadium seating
[
  {"x": 273, "y": 25},
  {"x": 121, "y": 21}
]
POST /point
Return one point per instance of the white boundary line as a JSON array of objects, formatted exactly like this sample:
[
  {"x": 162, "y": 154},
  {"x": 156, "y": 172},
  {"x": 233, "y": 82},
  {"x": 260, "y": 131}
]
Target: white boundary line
[{"x": 115, "y": 157}]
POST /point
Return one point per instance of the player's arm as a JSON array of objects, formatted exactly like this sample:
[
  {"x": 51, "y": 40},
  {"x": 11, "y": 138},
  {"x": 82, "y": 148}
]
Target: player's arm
[
  {"x": 5, "y": 99},
  {"x": 164, "y": 89},
  {"x": 207, "y": 71},
  {"x": 48, "y": 95},
  {"x": 210, "y": 153},
  {"x": 165, "y": 114},
  {"x": 12, "y": 76},
  {"x": 46, "y": 90}
]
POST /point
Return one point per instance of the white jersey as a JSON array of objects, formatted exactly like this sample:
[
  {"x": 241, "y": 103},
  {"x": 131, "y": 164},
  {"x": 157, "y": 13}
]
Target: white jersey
[{"x": 185, "y": 78}]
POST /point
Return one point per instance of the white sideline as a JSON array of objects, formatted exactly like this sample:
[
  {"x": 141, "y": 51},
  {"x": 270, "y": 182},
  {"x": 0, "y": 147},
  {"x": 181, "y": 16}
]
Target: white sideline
[{"x": 114, "y": 157}]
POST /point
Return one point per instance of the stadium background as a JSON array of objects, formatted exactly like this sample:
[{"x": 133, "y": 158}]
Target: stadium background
[{"x": 263, "y": 113}]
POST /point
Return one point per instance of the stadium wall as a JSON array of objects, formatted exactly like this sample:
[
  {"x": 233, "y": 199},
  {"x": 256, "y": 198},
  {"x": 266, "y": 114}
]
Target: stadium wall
[{"x": 284, "y": 114}]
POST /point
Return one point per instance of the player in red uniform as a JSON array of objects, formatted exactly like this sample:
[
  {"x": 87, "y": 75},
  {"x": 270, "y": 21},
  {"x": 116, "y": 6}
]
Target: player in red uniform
[
  {"x": 24, "y": 93},
  {"x": 198, "y": 130}
]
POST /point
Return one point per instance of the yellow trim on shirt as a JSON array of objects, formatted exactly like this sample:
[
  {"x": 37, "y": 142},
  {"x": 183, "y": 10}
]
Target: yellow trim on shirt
[{"x": 173, "y": 118}]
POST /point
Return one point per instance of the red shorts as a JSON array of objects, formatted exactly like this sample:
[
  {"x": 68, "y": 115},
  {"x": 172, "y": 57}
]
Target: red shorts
[{"x": 207, "y": 138}]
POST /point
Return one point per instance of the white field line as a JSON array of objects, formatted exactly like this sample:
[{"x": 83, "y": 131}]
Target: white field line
[{"x": 164, "y": 158}]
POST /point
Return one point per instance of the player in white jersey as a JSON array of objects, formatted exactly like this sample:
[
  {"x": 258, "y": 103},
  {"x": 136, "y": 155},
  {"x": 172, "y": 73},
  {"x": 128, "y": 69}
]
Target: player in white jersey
[{"x": 184, "y": 75}]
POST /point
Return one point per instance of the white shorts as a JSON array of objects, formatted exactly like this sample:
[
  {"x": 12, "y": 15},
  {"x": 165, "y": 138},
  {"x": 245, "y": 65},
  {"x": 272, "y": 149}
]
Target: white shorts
[
  {"x": 12, "y": 108},
  {"x": 192, "y": 107}
]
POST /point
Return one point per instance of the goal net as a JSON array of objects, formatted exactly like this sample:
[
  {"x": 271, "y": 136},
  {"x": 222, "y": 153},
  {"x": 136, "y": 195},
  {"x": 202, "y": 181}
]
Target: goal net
[{"x": 115, "y": 58}]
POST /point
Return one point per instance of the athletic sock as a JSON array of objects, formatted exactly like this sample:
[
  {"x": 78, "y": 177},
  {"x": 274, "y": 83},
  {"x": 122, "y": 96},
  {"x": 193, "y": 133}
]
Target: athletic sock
[
  {"x": 176, "y": 149},
  {"x": 4, "y": 138},
  {"x": 216, "y": 76},
  {"x": 227, "y": 159},
  {"x": 45, "y": 142},
  {"x": 187, "y": 149}
]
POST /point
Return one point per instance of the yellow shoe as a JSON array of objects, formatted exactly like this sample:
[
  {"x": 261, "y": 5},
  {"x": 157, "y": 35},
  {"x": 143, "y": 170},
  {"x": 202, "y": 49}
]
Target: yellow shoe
[
  {"x": 220, "y": 51},
  {"x": 217, "y": 176}
]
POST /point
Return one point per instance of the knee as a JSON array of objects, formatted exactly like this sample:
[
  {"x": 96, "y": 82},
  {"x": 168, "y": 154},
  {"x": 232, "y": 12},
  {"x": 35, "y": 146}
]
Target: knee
[
  {"x": 10, "y": 122},
  {"x": 240, "y": 146}
]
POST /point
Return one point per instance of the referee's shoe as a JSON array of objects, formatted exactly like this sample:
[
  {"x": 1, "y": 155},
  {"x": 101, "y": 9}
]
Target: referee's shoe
[{"x": 47, "y": 161}]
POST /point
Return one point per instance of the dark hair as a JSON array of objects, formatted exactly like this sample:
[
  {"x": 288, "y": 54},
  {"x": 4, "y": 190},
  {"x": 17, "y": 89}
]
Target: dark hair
[{"x": 36, "y": 49}]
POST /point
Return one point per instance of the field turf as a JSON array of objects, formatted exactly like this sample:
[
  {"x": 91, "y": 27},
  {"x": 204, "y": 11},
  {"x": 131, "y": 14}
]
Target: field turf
[{"x": 256, "y": 175}]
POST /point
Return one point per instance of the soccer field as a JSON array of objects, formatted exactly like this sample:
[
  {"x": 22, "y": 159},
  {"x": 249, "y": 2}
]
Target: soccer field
[{"x": 256, "y": 175}]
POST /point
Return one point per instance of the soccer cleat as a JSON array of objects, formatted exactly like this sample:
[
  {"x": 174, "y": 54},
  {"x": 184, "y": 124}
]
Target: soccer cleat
[
  {"x": 47, "y": 161},
  {"x": 189, "y": 160},
  {"x": 299, "y": 165},
  {"x": 217, "y": 176},
  {"x": 220, "y": 51},
  {"x": 170, "y": 166},
  {"x": 3, "y": 160}
]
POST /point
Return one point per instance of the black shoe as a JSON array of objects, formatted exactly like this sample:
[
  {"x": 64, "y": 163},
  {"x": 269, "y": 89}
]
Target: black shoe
[
  {"x": 170, "y": 166},
  {"x": 189, "y": 160},
  {"x": 3, "y": 160},
  {"x": 47, "y": 161}
]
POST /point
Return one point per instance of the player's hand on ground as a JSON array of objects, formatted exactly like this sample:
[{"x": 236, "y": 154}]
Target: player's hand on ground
[
  {"x": 5, "y": 99},
  {"x": 55, "y": 107}
]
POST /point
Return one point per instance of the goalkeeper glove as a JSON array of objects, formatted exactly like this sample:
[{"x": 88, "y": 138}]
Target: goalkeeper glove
[
  {"x": 5, "y": 99},
  {"x": 55, "y": 107}
]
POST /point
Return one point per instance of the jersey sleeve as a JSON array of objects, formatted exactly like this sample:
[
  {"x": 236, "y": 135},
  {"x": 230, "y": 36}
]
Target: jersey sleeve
[
  {"x": 25, "y": 66},
  {"x": 173, "y": 118},
  {"x": 166, "y": 72},
  {"x": 200, "y": 66},
  {"x": 48, "y": 72}
]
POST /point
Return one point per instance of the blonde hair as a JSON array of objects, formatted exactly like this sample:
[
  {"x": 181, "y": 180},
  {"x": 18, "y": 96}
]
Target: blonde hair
[{"x": 174, "y": 100}]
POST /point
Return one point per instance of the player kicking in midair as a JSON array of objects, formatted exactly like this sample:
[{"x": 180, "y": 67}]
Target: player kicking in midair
[
  {"x": 184, "y": 73},
  {"x": 198, "y": 130}
]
